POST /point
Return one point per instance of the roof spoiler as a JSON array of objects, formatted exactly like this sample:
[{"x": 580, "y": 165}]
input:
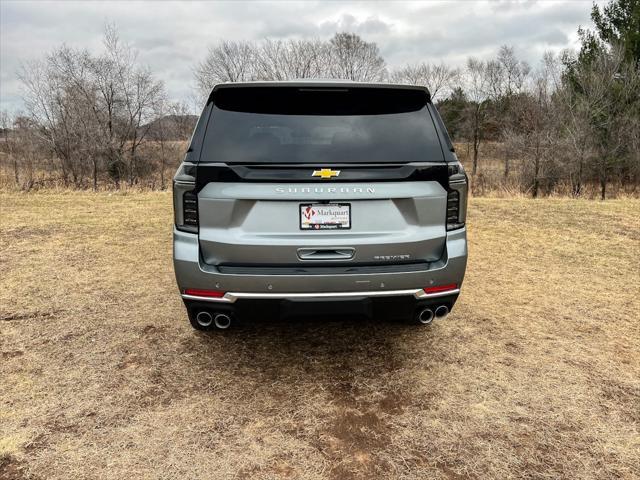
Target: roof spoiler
[{"x": 320, "y": 85}]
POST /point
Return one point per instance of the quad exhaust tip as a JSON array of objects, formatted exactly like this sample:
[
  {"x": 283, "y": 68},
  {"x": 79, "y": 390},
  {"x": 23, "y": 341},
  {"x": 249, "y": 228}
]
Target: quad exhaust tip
[
  {"x": 425, "y": 317},
  {"x": 204, "y": 319},
  {"x": 222, "y": 321}
]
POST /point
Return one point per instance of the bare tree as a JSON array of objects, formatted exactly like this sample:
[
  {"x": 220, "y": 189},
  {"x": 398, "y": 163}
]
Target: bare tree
[
  {"x": 183, "y": 120},
  {"x": 139, "y": 94},
  {"x": 173, "y": 125},
  {"x": 536, "y": 137},
  {"x": 228, "y": 61},
  {"x": 287, "y": 60},
  {"x": 8, "y": 150},
  {"x": 92, "y": 109},
  {"x": 23, "y": 151},
  {"x": 514, "y": 72},
  {"x": 345, "y": 56},
  {"x": 435, "y": 77},
  {"x": 506, "y": 80},
  {"x": 477, "y": 82},
  {"x": 52, "y": 103},
  {"x": 73, "y": 72},
  {"x": 604, "y": 105},
  {"x": 354, "y": 59},
  {"x": 574, "y": 129}
]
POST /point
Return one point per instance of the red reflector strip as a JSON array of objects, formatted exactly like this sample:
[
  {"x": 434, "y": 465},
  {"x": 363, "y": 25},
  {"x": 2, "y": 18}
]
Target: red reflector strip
[
  {"x": 204, "y": 293},
  {"x": 440, "y": 288}
]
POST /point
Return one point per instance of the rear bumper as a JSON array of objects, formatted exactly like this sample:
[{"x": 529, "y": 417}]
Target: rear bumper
[
  {"x": 192, "y": 272},
  {"x": 389, "y": 307},
  {"x": 232, "y": 297}
]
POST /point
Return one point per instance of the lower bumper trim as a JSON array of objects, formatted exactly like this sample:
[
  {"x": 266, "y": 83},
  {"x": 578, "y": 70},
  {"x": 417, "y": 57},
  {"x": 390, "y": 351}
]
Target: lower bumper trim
[{"x": 231, "y": 297}]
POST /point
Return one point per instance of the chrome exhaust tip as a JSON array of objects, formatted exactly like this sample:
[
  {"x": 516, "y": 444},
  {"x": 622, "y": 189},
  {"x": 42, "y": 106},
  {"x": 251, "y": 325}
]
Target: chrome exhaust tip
[
  {"x": 425, "y": 317},
  {"x": 442, "y": 311},
  {"x": 222, "y": 321},
  {"x": 204, "y": 319}
]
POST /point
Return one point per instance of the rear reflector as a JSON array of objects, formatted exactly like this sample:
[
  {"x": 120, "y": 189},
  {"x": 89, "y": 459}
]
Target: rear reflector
[
  {"x": 441, "y": 288},
  {"x": 204, "y": 293}
]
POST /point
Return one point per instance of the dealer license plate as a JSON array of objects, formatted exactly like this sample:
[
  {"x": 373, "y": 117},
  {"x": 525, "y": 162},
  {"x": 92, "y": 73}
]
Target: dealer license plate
[{"x": 325, "y": 216}]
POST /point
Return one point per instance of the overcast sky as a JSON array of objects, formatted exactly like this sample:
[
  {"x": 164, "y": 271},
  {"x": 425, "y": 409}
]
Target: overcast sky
[{"x": 172, "y": 37}]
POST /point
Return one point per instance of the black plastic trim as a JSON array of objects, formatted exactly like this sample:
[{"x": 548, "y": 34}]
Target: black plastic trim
[{"x": 302, "y": 173}]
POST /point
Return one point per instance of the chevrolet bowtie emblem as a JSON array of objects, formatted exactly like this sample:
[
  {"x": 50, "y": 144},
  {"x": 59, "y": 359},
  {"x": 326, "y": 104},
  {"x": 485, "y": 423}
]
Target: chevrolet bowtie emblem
[{"x": 325, "y": 173}]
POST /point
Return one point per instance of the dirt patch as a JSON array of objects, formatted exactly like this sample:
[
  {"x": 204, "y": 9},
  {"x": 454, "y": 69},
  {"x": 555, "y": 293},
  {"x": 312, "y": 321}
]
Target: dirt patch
[
  {"x": 12, "y": 354},
  {"x": 11, "y": 468},
  {"x": 133, "y": 360},
  {"x": 27, "y": 233},
  {"x": 358, "y": 431},
  {"x": 393, "y": 403},
  {"x": 8, "y": 317},
  {"x": 353, "y": 443}
]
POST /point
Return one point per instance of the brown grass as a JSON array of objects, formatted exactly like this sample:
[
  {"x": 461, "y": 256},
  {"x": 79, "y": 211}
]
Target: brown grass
[{"x": 536, "y": 374}]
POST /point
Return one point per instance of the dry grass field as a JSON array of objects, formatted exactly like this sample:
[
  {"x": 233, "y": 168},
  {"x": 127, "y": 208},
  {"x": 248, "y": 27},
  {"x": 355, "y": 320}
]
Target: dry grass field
[{"x": 535, "y": 375}]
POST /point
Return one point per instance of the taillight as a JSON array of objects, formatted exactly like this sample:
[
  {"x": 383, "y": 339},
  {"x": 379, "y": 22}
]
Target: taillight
[
  {"x": 186, "y": 208},
  {"x": 453, "y": 209},
  {"x": 456, "y": 197},
  {"x": 190, "y": 209},
  {"x": 185, "y": 199}
]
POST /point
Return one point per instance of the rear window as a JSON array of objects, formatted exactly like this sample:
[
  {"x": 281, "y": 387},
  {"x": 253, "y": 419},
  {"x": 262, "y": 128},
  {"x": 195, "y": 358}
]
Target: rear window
[{"x": 320, "y": 125}]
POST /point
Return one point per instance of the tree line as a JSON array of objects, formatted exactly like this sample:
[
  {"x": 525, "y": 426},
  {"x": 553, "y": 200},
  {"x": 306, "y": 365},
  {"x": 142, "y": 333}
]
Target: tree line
[
  {"x": 570, "y": 124},
  {"x": 89, "y": 119}
]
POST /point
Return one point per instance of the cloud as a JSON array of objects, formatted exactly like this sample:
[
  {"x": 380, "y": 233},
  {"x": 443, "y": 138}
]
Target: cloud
[{"x": 172, "y": 37}]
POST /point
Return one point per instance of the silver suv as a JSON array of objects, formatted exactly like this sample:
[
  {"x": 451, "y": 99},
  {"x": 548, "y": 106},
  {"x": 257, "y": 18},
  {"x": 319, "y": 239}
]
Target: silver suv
[{"x": 318, "y": 198}]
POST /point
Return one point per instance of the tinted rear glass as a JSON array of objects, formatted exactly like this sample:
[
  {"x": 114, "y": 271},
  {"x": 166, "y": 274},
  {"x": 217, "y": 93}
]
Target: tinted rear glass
[{"x": 307, "y": 125}]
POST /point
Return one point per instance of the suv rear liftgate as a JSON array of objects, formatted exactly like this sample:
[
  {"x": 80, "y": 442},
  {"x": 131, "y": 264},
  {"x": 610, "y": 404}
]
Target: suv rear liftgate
[{"x": 319, "y": 197}]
